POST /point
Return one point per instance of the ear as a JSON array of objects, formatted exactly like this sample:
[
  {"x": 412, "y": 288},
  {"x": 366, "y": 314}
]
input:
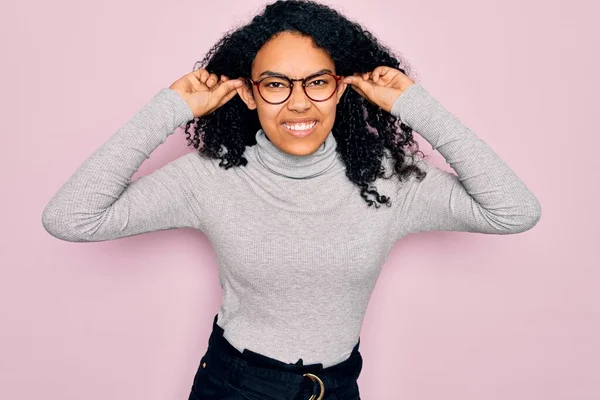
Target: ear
[
  {"x": 245, "y": 93},
  {"x": 340, "y": 91}
]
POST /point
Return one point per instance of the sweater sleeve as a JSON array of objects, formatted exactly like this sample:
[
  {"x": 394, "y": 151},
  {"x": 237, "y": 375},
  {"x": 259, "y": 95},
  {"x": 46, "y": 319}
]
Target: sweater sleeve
[
  {"x": 100, "y": 202},
  {"x": 485, "y": 196}
]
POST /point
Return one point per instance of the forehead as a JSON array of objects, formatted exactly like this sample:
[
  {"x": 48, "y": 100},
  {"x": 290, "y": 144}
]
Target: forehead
[{"x": 291, "y": 54}]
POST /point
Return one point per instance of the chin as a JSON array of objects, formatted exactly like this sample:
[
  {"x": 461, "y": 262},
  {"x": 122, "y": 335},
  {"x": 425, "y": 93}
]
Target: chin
[{"x": 301, "y": 146}]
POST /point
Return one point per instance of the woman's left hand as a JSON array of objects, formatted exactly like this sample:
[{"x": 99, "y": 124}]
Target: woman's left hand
[{"x": 382, "y": 86}]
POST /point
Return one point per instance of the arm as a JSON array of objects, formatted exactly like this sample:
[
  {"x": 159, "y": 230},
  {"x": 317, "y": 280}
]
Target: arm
[
  {"x": 485, "y": 197},
  {"x": 99, "y": 202}
]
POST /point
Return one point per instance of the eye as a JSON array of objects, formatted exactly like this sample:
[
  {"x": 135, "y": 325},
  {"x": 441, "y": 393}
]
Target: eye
[
  {"x": 271, "y": 85},
  {"x": 323, "y": 82}
]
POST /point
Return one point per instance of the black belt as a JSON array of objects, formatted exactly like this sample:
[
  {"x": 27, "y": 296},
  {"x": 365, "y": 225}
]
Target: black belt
[{"x": 258, "y": 365}]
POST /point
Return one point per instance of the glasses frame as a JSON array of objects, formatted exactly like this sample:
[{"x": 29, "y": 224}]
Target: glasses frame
[{"x": 337, "y": 78}]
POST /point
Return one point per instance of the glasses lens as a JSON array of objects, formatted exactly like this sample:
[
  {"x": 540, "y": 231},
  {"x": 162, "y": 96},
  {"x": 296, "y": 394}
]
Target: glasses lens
[
  {"x": 320, "y": 87},
  {"x": 274, "y": 89}
]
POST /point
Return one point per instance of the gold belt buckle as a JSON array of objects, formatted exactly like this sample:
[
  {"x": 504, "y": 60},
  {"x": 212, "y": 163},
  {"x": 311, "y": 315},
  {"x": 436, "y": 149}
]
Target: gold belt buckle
[{"x": 314, "y": 377}]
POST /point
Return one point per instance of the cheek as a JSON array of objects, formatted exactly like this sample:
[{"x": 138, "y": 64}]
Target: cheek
[
  {"x": 267, "y": 115},
  {"x": 328, "y": 112}
]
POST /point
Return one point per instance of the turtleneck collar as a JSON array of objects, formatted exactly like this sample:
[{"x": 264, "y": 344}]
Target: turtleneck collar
[{"x": 295, "y": 167}]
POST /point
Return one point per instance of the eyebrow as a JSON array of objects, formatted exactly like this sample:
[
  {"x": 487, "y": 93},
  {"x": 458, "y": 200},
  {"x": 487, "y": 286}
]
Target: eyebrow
[{"x": 271, "y": 73}]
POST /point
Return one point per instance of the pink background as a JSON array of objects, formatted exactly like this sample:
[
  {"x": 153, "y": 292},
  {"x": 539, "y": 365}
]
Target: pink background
[{"x": 453, "y": 315}]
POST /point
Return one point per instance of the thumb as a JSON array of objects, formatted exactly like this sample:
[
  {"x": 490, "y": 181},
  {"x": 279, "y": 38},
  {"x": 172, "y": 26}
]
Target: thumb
[
  {"x": 359, "y": 82},
  {"x": 227, "y": 86}
]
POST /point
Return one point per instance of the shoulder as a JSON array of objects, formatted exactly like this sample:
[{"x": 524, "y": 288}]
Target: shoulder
[{"x": 195, "y": 163}]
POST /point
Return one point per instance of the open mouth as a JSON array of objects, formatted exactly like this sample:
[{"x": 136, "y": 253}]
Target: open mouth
[{"x": 300, "y": 129}]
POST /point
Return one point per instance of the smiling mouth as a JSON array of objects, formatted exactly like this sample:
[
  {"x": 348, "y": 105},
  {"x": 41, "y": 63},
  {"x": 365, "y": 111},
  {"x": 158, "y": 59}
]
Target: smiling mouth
[
  {"x": 300, "y": 129},
  {"x": 300, "y": 126}
]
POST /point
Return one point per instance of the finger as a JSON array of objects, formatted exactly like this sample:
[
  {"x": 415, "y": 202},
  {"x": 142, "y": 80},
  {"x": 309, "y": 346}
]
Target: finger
[
  {"x": 212, "y": 79},
  {"x": 197, "y": 74},
  {"x": 204, "y": 75},
  {"x": 194, "y": 80},
  {"x": 201, "y": 74},
  {"x": 224, "y": 78},
  {"x": 365, "y": 76},
  {"x": 376, "y": 73},
  {"x": 380, "y": 72}
]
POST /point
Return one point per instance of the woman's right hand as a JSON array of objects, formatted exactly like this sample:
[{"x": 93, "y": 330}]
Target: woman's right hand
[{"x": 205, "y": 92}]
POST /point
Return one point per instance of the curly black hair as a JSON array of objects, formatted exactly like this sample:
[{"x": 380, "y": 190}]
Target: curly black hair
[{"x": 363, "y": 131}]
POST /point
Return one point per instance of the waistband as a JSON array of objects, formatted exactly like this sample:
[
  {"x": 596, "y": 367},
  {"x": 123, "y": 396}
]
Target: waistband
[{"x": 236, "y": 363}]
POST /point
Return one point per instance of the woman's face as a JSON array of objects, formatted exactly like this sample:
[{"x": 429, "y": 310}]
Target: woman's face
[{"x": 295, "y": 57}]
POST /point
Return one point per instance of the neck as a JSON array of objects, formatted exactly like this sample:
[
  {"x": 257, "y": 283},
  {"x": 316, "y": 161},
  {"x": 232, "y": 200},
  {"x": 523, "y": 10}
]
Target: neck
[{"x": 292, "y": 166}]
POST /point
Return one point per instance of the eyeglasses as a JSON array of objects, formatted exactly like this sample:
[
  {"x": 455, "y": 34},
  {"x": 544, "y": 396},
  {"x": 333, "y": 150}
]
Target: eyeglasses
[{"x": 276, "y": 89}]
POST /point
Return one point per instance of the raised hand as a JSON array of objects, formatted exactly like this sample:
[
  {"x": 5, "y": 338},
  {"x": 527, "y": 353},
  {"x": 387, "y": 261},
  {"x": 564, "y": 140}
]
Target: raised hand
[
  {"x": 205, "y": 92},
  {"x": 382, "y": 86}
]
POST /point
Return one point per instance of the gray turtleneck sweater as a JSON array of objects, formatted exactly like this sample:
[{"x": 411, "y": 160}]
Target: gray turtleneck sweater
[{"x": 298, "y": 249}]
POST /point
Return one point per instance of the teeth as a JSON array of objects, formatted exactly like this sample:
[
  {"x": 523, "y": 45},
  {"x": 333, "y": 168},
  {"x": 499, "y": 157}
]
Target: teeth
[{"x": 300, "y": 127}]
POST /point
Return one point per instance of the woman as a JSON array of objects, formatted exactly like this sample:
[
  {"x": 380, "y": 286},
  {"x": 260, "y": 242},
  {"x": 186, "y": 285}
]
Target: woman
[{"x": 295, "y": 116}]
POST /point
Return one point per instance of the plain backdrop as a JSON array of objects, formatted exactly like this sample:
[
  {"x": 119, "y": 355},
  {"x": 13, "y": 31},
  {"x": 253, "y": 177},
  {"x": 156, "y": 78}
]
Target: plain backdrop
[{"x": 453, "y": 315}]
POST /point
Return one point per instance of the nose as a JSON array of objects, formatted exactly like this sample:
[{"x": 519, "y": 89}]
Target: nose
[{"x": 298, "y": 100}]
